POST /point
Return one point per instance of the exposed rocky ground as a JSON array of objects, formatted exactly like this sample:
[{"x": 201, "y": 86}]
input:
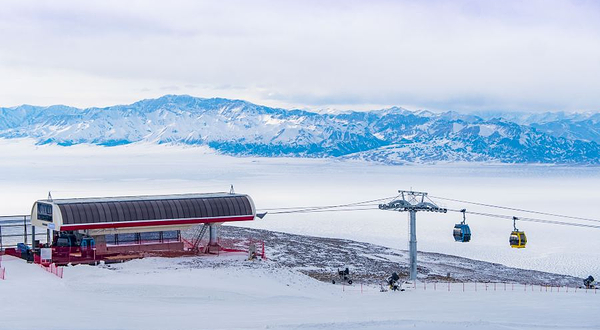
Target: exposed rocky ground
[{"x": 320, "y": 258}]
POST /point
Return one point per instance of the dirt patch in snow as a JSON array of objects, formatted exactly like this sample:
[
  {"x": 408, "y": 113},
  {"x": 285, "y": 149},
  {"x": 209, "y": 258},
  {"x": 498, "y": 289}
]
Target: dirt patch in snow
[{"x": 321, "y": 258}]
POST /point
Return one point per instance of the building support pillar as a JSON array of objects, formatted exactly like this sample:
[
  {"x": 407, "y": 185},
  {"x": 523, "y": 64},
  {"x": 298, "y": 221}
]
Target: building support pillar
[
  {"x": 213, "y": 235},
  {"x": 213, "y": 238}
]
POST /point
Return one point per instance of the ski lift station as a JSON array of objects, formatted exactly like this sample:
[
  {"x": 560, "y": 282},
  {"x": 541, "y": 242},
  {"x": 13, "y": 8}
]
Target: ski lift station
[
  {"x": 112, "y": 229},
  {"x": 101, "y": 224}
]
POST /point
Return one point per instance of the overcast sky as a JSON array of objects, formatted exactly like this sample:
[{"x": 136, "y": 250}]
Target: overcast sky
[{"x": 438, "y": 55}]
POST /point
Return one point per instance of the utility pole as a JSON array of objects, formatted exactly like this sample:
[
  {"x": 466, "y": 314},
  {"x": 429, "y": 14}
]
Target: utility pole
[{"x": 412, "y": 202}]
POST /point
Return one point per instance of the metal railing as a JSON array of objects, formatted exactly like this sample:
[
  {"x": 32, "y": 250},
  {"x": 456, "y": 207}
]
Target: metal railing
[{"x": 15, "y": 229}]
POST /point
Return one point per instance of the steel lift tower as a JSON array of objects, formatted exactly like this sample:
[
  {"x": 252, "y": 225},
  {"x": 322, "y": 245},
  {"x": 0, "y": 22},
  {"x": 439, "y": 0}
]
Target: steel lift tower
[{"x": 412, "y": 202}]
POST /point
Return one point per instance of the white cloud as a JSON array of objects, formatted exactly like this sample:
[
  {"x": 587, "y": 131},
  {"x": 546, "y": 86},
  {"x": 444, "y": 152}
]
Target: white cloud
[{"x": 450, "y": 55}]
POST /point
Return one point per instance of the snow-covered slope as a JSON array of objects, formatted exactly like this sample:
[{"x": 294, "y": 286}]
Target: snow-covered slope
[
  {"x": 229, "y": 292},
  {"x": 393, "y": 135}
]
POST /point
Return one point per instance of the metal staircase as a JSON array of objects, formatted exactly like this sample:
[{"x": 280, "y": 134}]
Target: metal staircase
[{"x": 197, "y": 237}]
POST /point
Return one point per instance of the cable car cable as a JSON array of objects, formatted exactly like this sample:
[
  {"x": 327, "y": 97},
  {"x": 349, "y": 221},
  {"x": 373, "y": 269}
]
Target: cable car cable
[
  {"x": 492, "y": 215},
  {"x": 326, "y": 210},
  {"x": 517, "y": 209},
  {"x": 510, "y": 217},
  {"x": 363, "y": 206},
  {"x": 314, "y": 207},
  {"x": 362, "y": 203}
]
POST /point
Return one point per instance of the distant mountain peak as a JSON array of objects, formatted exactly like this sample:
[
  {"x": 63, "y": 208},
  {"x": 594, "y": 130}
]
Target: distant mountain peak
[{"x": 394, "y": 135}]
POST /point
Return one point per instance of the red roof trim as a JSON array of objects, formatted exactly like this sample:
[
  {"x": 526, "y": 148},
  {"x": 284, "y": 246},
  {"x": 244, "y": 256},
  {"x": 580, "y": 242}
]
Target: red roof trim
[{"x": 130, "y": 224}]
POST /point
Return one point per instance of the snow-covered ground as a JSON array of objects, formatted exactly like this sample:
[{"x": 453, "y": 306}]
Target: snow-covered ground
[
  {"x": 28, "y": 172},
  {"x": 229, "y": 292}
]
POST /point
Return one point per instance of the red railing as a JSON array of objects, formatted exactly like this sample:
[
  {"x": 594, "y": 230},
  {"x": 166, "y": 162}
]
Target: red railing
[
  {"x": 77, "y": 255},
  {"x": 2, "y": 270},
  {"x": 48, "y": 266},
  {"x": 143, "y": 242},
  {"x": 53, "y": 269},
  {"x": 229, "y": 245},
  {"x": 242, "y": 245},
  {"x": 66, "y": 255}
]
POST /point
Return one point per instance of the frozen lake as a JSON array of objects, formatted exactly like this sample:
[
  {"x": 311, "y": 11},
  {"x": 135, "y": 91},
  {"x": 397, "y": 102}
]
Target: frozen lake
[{"x": 28, "y": 172}]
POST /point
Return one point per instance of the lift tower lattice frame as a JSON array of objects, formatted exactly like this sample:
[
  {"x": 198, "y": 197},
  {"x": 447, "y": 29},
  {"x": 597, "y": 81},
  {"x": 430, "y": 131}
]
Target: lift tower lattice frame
[{"x": 412, "y": 202}]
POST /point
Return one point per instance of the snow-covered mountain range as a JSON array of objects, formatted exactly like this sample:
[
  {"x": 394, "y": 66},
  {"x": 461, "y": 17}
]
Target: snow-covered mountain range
[{"x": 393, "y": 135}]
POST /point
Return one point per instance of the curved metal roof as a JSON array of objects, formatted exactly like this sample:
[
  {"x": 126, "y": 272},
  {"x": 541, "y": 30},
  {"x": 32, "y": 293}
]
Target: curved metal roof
[{"x": 154, "y": 208}]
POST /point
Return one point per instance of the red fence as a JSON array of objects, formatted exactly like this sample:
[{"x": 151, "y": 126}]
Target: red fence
[
  {"x": 230, "y": 245},
  {"x": 54, "y": 269},
  {"x": 243, "y": 245},
  {"x": 66, "y": 255},
  {"x": 49, "y": 267}
]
